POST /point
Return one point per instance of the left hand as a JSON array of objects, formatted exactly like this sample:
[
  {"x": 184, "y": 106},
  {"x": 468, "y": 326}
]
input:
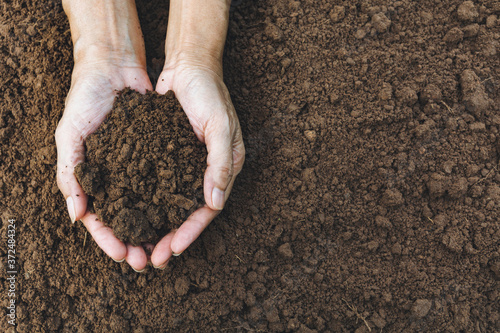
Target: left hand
[{"x": 206, "y": 101}]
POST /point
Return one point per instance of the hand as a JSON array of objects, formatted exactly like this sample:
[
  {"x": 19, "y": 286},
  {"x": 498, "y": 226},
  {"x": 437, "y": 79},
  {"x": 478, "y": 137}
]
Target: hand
[
  {"x": 90, "y": 99},
  {"x": 206, "y": 101},
  {"x": 109, "y": 56},
  {"x": 194, "y": 46}
]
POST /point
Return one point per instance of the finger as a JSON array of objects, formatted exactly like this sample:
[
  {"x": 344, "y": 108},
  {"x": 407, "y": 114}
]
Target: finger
[
  {"x": 220, "y": 169},
  {"x": 70, "y": 152},
  {"x": 136, "y": 258},
  {"x": 104, "y": 237},
  {"x": 162, "y": 251},
  {"x": 191, "y": 229}
]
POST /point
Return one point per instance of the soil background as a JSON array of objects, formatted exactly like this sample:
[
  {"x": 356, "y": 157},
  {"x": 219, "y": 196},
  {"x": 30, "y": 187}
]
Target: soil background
[{"x": 369, "y": 199}]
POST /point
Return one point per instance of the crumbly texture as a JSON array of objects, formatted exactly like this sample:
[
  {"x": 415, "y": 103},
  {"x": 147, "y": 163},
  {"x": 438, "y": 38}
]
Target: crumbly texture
[
  {"x": 371, "y": 185},
  {"x": 144, "y": 167}
]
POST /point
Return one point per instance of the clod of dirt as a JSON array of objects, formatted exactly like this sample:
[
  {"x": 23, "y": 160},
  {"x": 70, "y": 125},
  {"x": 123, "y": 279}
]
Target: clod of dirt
[
  {"x": 380, "y": 22},
  {"x": 274, "y": 33},
  {"x": 337, "y": 13},
  {"x": 386, "y": 92},
  {"x": 491, "y": 21},
  {"x": 454, "y": 240},
  {"x": 437, "y": 185},
  {"x": 455, "y": 35},
  {"x": 471, "y": 30},
  {"x": 144, "y": 167},
  {"x": 458, "y": 188},
  {"x": 392, "y": 197},
  {"x": 285, "y": 250},
  {"x": 467, "y": 11},
  {"x": 474, "y": 94},
  {"x": 421, "y": 308},
  {"x": 407, "y": 96}
]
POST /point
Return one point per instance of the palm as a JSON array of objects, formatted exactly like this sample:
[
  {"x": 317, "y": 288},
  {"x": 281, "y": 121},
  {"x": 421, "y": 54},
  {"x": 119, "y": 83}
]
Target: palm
[{"x": 207, "y": 104}]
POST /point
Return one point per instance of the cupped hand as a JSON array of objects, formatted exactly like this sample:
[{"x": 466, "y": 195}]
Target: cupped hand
[
  {"x": 94, "y": 85},
  {"x": 206, "y": 102}
]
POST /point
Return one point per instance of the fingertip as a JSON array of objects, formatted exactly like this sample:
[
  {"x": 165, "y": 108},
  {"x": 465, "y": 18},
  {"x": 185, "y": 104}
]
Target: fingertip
[
  {"x": 191, "y": 229},
  {"x": 136, "y": 257},
  {"x": 71, "y": 209},
  {"x": 104, "y": 237},
  {"x": 162, "y": 251},
  {"x": 218, "y": 199},
  {"x": 80, "y": 203}
]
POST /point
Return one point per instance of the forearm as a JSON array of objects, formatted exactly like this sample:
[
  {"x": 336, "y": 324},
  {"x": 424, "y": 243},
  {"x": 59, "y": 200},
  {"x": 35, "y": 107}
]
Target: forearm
[
  {"x": 105, "y": 28},
  {"x": 196, "y": 33}
]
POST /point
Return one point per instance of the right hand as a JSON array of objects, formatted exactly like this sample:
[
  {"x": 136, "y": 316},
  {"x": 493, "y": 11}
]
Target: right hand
[{"x": 94, "y": 85}]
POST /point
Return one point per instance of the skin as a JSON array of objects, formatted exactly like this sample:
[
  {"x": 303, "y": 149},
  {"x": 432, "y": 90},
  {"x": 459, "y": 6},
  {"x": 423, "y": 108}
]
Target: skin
[{"x": 109, "y": 55}]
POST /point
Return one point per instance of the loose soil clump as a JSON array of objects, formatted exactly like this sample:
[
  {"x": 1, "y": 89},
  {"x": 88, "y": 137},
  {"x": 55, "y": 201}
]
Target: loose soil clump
[{"x": 144, "y": 167}]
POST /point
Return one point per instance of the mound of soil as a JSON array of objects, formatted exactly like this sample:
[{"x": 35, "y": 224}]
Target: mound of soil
[{"x": 144, "y": 167}]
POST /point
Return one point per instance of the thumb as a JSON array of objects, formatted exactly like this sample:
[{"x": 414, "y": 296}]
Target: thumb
[
  {"x": 220, "y": 167},
  {"x": 70, "y": 152}
]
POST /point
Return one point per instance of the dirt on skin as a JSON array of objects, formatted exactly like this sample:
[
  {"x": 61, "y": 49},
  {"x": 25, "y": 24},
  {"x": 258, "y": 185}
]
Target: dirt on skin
[
  {"x": 369, "y": 200},
  {"x": 144, "y": 167}
]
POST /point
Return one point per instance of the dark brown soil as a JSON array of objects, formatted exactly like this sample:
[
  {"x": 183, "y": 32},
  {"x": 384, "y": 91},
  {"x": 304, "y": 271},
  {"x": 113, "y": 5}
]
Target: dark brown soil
[
  {"x": 370, "y": 196},
  {"x": 144, "y": 167}
]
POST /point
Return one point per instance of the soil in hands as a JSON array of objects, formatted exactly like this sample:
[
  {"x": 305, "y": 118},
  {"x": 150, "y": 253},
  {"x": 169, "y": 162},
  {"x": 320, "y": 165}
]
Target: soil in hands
[{"x": 144, "y": 167}]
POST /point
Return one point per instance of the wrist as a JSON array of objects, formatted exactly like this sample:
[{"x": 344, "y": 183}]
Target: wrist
[
  {"x": 196, "y": 34},
  {"x": 105, "y": 31}
]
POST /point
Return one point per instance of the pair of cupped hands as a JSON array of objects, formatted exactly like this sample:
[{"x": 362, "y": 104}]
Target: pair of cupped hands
[{"x": 96, "y": 78}]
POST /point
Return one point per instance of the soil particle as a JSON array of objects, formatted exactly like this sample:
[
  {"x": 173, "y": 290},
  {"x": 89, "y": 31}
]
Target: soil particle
[
  {"x": 431, "y": 93},
  {"x": 471, "y": 30},
  {"x": 286, "y": 250},
  {"x": 143, "y": 179},
  {"x": 380, "y": 22},
  {"x": 453, "y": 239},
  {"x": 491, "y": 21},
  {"x": 274, "y": 33},
  {"x": 421, "y": 308},
  {"x": 386, "y": 92},
  {"x": 467, "y": 11},
  {"x": 337, "y": 13},
  {"x": 458, "y": 188},
  {"x": 407, "y": 96},
  {"x": 441, "y": 221},
  {"x": 474, "y": 94},
  {"x": 455, "y": 35},
  {"x": 392, "y": 197}
]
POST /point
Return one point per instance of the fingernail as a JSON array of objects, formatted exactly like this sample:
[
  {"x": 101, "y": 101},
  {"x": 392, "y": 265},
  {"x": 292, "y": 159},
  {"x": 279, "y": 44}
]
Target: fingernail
[
  {"x": 118, "y": 260},
  {"x": 142, "y": 270},
  {"x": 161, "y": 267},
  {"x": 176, "y": 254},
  {"x": 218, "y": 198},
  {"x": 71, "y": 209}
]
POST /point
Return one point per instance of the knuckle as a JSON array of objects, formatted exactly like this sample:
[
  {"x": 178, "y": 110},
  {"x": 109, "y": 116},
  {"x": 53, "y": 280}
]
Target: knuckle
[{"x": 226, "y": 173}]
